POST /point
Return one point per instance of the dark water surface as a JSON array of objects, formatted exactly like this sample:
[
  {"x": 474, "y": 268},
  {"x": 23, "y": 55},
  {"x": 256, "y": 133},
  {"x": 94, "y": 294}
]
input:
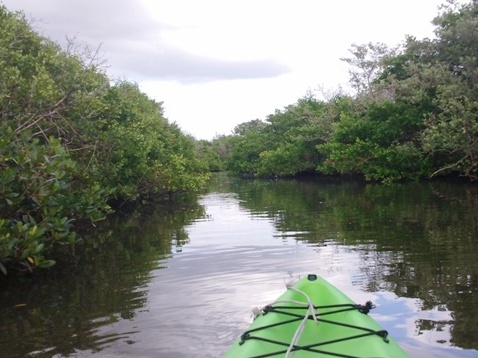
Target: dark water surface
[{"x": 182, "y": 281}]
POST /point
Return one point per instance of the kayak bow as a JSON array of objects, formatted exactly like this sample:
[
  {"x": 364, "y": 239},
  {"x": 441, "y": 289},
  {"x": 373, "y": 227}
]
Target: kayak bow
[{"x": 314, "y": 319}]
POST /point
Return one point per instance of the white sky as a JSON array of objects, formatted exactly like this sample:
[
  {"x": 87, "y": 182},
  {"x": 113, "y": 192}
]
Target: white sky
[{"x": 218, "y": 63}]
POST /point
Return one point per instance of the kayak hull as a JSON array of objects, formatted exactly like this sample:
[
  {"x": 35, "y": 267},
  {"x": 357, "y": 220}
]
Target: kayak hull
[{"x": 315, "y": 319}]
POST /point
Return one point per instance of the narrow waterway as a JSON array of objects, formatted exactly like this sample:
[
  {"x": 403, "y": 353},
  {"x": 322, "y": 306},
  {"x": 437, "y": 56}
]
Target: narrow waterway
[{"x": 182, "y": 281}]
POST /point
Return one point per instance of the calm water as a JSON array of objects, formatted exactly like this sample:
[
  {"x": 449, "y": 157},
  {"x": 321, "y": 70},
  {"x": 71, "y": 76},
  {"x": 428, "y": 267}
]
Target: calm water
[{"x": 182, "y": 281}]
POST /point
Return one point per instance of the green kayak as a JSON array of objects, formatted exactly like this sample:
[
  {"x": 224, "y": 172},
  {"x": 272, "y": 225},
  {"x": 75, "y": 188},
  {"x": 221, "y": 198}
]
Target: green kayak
[{"x": 314, "y": 319}]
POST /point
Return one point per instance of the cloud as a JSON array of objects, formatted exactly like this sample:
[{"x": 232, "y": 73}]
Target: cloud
[
  {"x": 217, "y": 63},
  {"x": 169, "y": 63},
  {"x": 132, "y": 43},
  {"x": 104, "y": 20}
]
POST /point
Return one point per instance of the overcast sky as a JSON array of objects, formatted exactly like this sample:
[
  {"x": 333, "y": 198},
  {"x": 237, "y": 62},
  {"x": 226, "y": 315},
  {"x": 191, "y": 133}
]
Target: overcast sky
[{"x": 218, "y": 63}]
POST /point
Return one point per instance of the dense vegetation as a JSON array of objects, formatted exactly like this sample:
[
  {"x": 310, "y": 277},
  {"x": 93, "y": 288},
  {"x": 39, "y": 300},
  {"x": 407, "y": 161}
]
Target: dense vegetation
[
  {"x": 413, "y": 114},
  {"x": 72, "y": 143}
]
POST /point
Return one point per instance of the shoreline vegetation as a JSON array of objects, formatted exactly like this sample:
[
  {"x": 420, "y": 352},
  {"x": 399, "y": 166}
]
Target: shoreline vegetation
[
  {"x": 413, "y": 114},
  {"x": 74, "y": 145}
]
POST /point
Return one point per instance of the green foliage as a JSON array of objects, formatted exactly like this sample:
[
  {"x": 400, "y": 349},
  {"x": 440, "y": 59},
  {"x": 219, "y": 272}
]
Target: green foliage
[
  {"x": 367, "y": 63},
  {"x": 43, "y": 190},
  {"x": 441, "y": 75},
  {"x": 413, "y": 116},
  {"x": 209, "y": 153},
  {"x": 380, "y": 143},
  {"x": 284, "y": 160},
  {"x": 452, "y": 131},
  {"x": 285, "y": 143},
  {"x": 141, "y": 153},
  {"x": 372, "y": 161},
  {"x": 451, "y": 134},
  {"x": 70, "y": 143},
  {"x": 244, "y": 156},
  {"x": 38, "y": 202}
]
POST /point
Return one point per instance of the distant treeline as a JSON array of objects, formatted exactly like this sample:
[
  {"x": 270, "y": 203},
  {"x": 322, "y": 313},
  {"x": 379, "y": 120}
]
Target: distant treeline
[
  {"x": 72, "y": 143},
  {"x": 413, "y": 114}
]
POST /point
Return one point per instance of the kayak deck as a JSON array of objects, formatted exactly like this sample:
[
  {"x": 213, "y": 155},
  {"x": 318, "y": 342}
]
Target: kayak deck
[{"x": 315, "y": 319}]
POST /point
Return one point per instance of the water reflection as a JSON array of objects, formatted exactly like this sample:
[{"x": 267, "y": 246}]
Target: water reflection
[
  {"x": 66, "y": 309},
  {"x": 181, "y": 281},
  {"x": 416, "y": 240}
]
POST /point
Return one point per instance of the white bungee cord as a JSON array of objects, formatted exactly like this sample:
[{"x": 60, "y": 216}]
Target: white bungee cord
[
  {"x": 300, "y": 329},
  {"x": 310, "y": 311}
]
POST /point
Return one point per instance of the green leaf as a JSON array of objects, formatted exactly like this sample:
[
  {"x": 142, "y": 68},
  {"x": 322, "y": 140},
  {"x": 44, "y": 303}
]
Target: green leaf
[
  {"x": 39, "y": 248},
  {"x": 47, "y": 263}
]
